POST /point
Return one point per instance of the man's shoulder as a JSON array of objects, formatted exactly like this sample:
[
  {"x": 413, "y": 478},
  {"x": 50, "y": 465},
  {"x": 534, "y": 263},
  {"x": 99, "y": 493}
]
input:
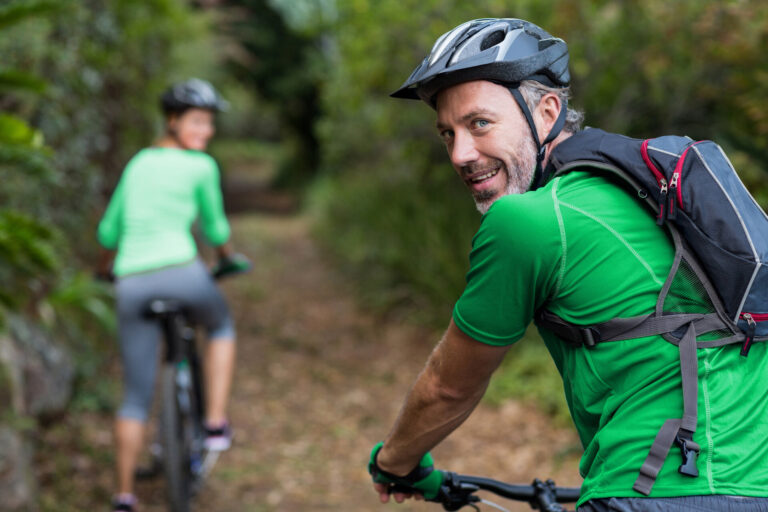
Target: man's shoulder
[
  {"x": 521, "y": 216},
  {"x": 521, "y": 205}
]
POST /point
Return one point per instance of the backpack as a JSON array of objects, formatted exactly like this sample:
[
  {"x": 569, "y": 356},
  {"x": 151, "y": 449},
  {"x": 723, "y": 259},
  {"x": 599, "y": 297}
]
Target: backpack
[{"x": 720, "y": 236}]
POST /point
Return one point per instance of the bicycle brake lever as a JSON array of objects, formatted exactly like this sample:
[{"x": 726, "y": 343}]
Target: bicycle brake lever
[{"x": 454, "y": 494}]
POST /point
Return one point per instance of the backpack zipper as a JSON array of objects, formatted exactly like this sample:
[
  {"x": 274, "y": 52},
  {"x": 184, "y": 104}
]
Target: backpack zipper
[
  {"x": 751, "y": 319},
  {"x": 676, "y": 185},
  {"x": 660, "y": 179}
]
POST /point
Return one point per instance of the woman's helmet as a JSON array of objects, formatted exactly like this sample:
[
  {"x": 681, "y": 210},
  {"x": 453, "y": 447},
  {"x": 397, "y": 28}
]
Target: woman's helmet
[
  {"x": 504, "y": 50},
  {"x": 192, "y": 93}
]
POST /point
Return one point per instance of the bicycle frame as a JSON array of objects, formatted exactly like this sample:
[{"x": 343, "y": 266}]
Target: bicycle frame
[
  {"x": 185, "y": 460},
  {"x": 182, "y": 410},
  {"x": 181, "y": 349}
]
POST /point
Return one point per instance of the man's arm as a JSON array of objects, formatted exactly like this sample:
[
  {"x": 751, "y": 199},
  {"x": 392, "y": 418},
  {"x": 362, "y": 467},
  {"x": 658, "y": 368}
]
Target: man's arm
[{"x": 445, "y": 393}]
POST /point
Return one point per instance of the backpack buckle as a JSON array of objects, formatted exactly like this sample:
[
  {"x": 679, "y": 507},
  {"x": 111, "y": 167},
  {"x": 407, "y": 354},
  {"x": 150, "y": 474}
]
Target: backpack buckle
[
  {"x": 690, "y": 452},
  {"x": 589, "y": 337}
]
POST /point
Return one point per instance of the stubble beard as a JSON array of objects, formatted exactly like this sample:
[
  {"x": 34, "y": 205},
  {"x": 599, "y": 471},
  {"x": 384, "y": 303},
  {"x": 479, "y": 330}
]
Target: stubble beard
[{"x": 518, "y": 177}]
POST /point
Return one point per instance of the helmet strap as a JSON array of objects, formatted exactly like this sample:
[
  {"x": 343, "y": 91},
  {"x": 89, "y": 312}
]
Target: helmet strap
[{"x": 541, "y": 147}]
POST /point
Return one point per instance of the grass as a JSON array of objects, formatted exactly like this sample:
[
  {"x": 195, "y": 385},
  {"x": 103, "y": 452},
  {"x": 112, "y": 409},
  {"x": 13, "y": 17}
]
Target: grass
[{"x": 529, "y": 374}]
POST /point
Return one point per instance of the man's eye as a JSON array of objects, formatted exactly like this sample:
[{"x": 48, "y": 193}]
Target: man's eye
[
  {"x": 480, "y": 123},
  {"x": 446, "y": 134}
]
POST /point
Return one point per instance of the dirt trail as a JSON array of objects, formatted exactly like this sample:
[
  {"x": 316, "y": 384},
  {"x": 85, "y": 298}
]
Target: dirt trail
[{"x": 318, "y": 382}]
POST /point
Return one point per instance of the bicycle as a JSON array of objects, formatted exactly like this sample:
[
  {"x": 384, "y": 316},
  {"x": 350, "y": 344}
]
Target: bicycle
[
  {"x": 181, "y": 434},
  {"x": 458, "y": 491}
]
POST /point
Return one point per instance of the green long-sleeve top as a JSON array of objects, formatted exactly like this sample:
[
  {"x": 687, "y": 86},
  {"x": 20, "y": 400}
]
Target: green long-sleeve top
[{"x": 161, "y": 193}]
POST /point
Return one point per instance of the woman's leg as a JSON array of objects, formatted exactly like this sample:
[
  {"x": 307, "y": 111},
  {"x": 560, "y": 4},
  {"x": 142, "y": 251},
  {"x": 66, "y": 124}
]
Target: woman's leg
[
  {"x": 129, "y": 439},
  {"x": 219, "y": 368},
  {"x": 139, "y": 341}
]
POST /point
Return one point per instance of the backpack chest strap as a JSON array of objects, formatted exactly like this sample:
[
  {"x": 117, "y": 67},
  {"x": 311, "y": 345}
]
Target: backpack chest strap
[{"x": 618, "y": 329}]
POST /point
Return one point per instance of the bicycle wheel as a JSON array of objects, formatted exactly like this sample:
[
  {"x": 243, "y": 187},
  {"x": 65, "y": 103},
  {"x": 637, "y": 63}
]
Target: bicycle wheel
[{"x": 174, "y": 427}]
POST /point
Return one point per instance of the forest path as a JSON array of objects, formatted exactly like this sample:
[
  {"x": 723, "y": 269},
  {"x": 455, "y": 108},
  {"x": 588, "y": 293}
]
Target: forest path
[{"x": 319, "y": 380}]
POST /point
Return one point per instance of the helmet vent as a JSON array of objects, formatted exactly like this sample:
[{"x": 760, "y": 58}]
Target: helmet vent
[
  {"x": 492, "y": 39},
  {"x": 546, "y": 43}
]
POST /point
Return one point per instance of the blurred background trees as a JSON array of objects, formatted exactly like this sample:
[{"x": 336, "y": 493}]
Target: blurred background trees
[
  {"x": 78, "y": 88},
  {"x": 387, "y": 200},
  {"x": 311, "y": 78}
]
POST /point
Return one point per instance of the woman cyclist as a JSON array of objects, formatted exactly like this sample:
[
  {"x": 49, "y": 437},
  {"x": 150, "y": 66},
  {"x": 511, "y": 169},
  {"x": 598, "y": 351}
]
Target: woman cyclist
[{"x": 163, "y": 190}]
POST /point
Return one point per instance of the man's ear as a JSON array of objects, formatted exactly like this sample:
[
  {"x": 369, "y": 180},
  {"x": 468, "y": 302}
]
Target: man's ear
[{"x": 546, "y": 114}]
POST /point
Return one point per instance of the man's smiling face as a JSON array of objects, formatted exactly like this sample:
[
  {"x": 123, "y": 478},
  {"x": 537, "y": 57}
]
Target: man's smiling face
[{"x": 488, "y": 140}]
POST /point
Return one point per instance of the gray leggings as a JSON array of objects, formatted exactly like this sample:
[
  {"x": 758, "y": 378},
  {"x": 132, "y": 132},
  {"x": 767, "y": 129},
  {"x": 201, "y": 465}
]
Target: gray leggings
[
  {"x": 711, "y": 503},
  {"x": 189, "y": 283}
]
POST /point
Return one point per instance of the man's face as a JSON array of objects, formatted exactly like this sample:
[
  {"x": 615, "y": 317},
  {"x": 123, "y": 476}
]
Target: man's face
[{"x": 488, "y": 140}]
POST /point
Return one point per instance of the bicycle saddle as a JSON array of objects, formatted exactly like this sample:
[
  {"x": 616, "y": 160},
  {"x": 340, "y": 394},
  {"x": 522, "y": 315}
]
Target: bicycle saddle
[{"x": 163, "y": 307}]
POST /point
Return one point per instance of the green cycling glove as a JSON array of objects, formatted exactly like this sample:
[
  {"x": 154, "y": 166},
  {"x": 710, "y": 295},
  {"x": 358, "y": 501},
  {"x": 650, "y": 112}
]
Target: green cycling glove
[
  {"x": 424, "y": 477},
  {"x": 235, "y": 263}
]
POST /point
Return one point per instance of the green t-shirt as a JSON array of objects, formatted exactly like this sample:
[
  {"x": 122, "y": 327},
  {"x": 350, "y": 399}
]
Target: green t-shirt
[
  {"x": 593, "y": 252},
  {"x": 160, "y": 195}
]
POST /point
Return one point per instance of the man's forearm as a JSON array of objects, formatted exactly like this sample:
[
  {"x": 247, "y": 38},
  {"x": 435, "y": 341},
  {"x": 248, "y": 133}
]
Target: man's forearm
[
  {"x": 427, "y": 417},
  {"x": 445, "y": 393}
]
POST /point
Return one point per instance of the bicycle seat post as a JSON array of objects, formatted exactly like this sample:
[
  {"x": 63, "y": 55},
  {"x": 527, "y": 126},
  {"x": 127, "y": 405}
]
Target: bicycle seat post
[{"x": 170, "y": 314}]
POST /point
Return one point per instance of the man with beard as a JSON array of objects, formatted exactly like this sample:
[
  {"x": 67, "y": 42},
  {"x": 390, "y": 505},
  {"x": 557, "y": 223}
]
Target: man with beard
[{"x": 590, "y": 252}]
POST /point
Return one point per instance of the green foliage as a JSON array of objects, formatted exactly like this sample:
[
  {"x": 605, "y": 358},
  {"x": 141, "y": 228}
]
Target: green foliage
[
  {"x": 528, "y": 373},
  {"x": 81, "y": 311},
  {"x": 16, "y": 11},
  {"x": 284, "y": 65},
  {"x": 390, "y": 205},
  {"x": 81, "y": 305},
  {"x": 387, "y": 204},
  {"x": 15, "y": 131},
  {"x": 14, "y": 80},
  {"x": 28, "y": 259},
  {"x": 385, "y": 243},
  {"x": 641, "y": 68},
  {"x": 28, "y": 245},
  {"x": 78, "y": 92},
  {"x": 105, "y": 64}
]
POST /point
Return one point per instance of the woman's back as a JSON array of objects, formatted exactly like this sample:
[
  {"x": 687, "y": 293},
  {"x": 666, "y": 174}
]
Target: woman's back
[{"x": 161, "y": 193}]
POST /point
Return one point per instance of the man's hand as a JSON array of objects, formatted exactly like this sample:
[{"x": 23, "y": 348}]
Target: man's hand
[
  {"x": 445, "y": 393},
  {"x": 424, "y": 479}
]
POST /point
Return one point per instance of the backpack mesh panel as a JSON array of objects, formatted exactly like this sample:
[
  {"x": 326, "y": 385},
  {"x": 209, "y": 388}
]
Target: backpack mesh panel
[{"x": 688, "y": 295}]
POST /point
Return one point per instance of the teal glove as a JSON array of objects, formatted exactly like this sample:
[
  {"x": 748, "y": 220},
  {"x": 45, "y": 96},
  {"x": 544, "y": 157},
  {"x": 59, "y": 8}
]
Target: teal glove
[
  {"x": 424, "y": 477},
  {"x": 235, "y": 263}
]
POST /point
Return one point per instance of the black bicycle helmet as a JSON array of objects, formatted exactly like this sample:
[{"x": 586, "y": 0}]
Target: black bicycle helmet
[
  {"x": 501, "y": 50},
  {"x": 192, "y": 93},
  {"x": 505, "y": 50}
]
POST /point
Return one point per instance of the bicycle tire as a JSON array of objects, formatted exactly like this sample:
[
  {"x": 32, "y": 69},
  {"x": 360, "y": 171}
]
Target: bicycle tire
[{"x": 176, "y": 464}]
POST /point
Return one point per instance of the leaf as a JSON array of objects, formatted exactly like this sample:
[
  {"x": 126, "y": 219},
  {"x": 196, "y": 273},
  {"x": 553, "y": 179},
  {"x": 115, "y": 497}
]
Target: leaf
[
  {"x": 18, "y": 11},
  {"x": 14, "y": 80},
  {"x": 16, "y": 131}
]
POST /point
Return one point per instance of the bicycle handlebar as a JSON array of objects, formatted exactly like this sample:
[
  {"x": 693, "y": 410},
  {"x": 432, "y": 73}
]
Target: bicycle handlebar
[{"x": 459, "y": 490}]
